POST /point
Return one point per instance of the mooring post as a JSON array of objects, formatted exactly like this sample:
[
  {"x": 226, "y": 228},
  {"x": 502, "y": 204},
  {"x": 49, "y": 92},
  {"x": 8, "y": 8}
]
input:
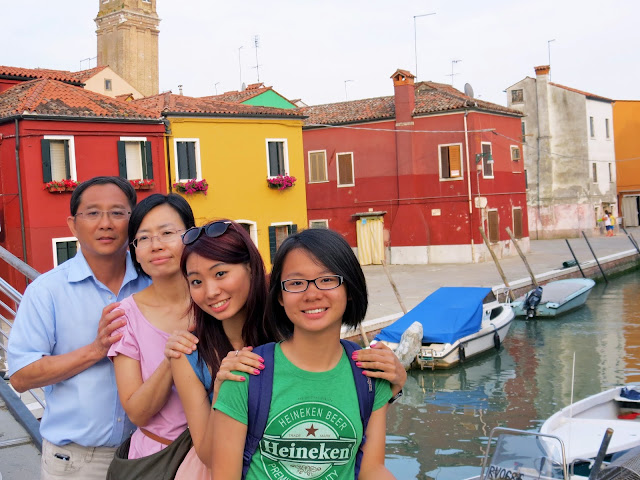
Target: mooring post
[
  {"x": 495, "y": 260},
  {"x": 631, "y": 239},
  {"x": 524, "y": 259},
  {"x": 575, "y": 258},
  {"x": 596, "y": 258}
]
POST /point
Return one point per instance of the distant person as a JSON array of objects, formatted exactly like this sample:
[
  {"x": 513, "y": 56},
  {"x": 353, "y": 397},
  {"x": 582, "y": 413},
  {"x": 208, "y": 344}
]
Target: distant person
[
  {"x": 608, "y": 223},
  {"x": 63, "y": 331}
]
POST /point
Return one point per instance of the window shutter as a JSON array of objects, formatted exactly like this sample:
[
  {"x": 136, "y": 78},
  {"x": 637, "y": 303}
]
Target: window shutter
[
  {"x": 488, "y": 167},
  {"x": 293, "y": 230},
  {"x": 191, "y": 155},
  {"x": 46, "y": 160},
  {"x": 517, "y": 223},
  {"x": 494, "y": 234},
  {"x": 455, "y": 164},
  {"x": 276, "y": 159},
  {"x": 272, "y": 242},
  {"x": 183, "y": 161},
  {"x": 317, "y": 171},
  {"x": 67, "y": 161},
  {"x": 122, "y": 160},
  {"x": 345, "y": 170},
  {"x": 148, "y": 161},
  {"x": 444, "y": 162}
]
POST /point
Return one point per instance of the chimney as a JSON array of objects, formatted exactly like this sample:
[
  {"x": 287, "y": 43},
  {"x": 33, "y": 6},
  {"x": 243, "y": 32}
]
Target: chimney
[
  {"x": 404, "y": 92},
  {"x": 542, "y": 70},
  {"x": 180, "y": 89}
]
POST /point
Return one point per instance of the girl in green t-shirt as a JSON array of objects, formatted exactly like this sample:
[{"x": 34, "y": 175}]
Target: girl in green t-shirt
[{"x": 314, "y": 428}]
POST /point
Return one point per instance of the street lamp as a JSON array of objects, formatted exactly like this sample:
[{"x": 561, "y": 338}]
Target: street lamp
[
  {"x": 415, "y": 38},
  {"x": 480, "y": 156}
]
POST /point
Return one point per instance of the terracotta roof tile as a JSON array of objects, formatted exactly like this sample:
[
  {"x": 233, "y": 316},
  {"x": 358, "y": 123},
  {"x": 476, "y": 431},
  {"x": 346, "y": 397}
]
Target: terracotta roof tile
[
  {"x": 238, "y": 97},
  {"x": 28, "y": 73},
  {"x": 175, "y": 104},
  {"x": 53, "y": 98},
  {"x": 84, "y": 75},
  {"x": 586, "y": 94},
  {"x": 430, "y": 97}
]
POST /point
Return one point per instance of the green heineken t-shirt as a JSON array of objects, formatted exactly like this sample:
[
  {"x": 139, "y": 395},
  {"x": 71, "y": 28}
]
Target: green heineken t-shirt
[{"x": 314, "y": 428}]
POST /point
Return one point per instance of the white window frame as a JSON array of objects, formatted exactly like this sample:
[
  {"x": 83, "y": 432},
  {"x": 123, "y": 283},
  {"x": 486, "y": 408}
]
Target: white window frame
[
  {"x": 320, "y": 220},
  {"x": 493, "y": 170},
  {"x": 285, "y": 150},
  {"x": 137, "y": 140},
  {"x": 253, "y": 229},
  {"x": 55, "y": 241},
  {"x": 353, "y": 174},
  {"x": 326, "y": 166},
  {"x": 175, "y": 158},
  {"x": 450, "y": 179},
  {"x": 72, "y": 153},
  {"x": 511, "y": 149}
]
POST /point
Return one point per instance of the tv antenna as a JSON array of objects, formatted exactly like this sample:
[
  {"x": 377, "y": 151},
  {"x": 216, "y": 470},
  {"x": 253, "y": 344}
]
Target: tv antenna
[
  {"x": 346, "y": 97},
  {"x": 256, "y": 43},
  {"x": 453, "y": 62}
]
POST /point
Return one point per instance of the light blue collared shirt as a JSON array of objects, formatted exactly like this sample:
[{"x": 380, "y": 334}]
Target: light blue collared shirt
[{"x": 59, "y": 313}]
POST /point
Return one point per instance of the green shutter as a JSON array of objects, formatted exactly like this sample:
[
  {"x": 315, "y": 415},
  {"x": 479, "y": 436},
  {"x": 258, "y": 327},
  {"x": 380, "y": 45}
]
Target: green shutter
[
  {"x": 46, "y": 161},
  {"x": 183, "y": 161},
  {"x": 293, "y": 229},
  {"x": 122, "y": 160},
  {"x": 147, "y": 165},
  {"x": 67, "y": 161},
  {"x": 191, "y": 149},
  {"x": 272, "y": 242},
  {"x": 274, "y": 161}
]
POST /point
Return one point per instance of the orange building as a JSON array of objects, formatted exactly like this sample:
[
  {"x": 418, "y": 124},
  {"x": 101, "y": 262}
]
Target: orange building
[{"x": 626, "y": 125}]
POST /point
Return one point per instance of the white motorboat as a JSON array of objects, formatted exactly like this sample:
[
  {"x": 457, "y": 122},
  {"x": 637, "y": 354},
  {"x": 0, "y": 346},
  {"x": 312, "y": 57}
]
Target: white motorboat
[
  {"x": 457, "y": 323},
  {"x": 582, "y": 425},
  {"x": 554, "y": 298}
]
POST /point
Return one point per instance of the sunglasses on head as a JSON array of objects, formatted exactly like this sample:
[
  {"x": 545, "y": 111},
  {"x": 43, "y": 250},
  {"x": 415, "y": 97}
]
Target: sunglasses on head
[{"x": 213, "y": 230}]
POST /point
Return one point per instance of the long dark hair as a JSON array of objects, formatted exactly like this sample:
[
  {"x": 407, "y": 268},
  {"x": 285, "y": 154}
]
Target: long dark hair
[
  {"x": 333, "y": 251},
  {"x": 236, "y": 247}
]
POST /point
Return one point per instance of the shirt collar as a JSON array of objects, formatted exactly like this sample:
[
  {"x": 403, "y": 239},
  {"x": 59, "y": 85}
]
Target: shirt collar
[{"x": 79, "y": 269}]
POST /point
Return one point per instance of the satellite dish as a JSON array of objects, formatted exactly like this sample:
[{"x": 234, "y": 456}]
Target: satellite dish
[{"x": 468, "y": 90}]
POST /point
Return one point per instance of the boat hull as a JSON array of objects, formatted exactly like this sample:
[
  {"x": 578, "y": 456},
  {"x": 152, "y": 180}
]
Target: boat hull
[{"x": 558, "y": 306}]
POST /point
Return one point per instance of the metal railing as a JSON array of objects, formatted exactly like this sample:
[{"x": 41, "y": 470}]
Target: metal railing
[{"x": 21, "y": 406}]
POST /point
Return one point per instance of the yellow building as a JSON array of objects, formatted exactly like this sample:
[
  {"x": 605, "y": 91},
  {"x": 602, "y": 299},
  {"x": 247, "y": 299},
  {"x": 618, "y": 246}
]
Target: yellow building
[{"x": 236, "y": 149}]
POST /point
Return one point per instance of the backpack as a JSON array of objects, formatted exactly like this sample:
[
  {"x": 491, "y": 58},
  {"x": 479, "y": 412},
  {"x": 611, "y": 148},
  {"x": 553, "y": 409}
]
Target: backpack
[{"x": 259, "y": 401}]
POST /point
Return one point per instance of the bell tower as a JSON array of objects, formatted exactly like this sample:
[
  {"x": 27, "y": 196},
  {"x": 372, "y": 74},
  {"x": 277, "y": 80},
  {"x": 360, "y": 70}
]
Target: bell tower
[{"x": 128, "y": 41}]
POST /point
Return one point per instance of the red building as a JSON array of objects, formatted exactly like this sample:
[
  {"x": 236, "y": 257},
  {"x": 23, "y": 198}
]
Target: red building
[
  {"x": 412, "y": 177},
  {"x": 50, "y": 132}
]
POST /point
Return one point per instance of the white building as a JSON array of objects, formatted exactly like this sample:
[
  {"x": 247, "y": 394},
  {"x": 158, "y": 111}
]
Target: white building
[{"x": 569, "y": 156}]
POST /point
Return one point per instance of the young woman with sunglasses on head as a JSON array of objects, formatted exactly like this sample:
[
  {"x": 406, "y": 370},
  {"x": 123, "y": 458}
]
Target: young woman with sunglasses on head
[
  {"x": 143, "y": 374},
  {"x": 314, "y": 427},
  {"x": 227, "y": 282}
]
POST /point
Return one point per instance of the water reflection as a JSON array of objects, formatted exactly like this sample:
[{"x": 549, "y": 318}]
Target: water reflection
[{"x": 438, "y": 429}]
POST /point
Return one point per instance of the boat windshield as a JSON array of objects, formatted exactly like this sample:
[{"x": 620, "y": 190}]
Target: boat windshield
[{"x": 520, "y": 455}]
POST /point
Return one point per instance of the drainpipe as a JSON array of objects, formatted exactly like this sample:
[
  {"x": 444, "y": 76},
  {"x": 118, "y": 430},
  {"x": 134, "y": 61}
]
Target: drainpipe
[
  {"x": 466, "y": 142},
  {"x": 22, "y": 230},
  {"x": 538, "y": 164},
  {"x": 167, "y": 132}
]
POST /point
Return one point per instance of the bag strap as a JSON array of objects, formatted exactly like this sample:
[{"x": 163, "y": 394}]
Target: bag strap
[
  {"x": 366, "y": 392},
  {"x": 258, "y": 404}
]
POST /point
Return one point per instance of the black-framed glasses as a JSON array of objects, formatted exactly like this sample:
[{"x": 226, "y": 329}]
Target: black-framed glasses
[
  {"x": 213, "y": 230},
  {"x": 299, "y": 285}
]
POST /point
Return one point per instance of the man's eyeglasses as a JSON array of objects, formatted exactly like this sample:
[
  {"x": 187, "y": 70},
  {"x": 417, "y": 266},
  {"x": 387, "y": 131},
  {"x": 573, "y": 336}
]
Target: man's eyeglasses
[
  {"x": 145, "y": 241},
  {"x": 96, "y": 215},
  {"x": 213, "y": 230},
  {"x": 299, "y": 285}
]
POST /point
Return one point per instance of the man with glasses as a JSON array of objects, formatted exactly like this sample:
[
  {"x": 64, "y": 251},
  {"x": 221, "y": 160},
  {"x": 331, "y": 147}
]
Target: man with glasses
[{"x": 63, "y": 330}]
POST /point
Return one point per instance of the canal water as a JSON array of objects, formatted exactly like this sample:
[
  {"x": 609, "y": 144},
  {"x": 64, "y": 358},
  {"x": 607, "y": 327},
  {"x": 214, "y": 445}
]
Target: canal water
[{"x": 438, "y": 429}]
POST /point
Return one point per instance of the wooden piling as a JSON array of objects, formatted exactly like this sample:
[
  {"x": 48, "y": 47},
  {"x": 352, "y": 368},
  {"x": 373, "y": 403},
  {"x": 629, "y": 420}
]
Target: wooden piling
[
  {"x": 524, "y": 259},
  {"x": 495, "y": 260}
]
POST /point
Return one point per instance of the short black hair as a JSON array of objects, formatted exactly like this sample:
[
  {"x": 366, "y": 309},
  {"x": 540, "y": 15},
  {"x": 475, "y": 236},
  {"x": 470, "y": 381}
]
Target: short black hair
[
  {"x": 122, "y": 183},
  {"x": 141, "y": 210},
  {"x": 332, "y": 251}
]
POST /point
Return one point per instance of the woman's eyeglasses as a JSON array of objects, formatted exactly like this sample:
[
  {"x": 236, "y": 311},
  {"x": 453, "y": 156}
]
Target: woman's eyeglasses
[{"x": 213, "y": 230}]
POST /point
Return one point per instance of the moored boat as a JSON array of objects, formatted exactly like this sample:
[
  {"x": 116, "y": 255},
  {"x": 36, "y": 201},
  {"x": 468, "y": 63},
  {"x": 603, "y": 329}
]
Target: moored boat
[
  {"x": 554, "y": 298},
  {"x": 457, "y": 323}
]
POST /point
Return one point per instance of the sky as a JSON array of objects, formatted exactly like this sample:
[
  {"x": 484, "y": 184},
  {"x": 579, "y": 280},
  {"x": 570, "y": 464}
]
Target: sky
[{"x": 325, "y": 51}]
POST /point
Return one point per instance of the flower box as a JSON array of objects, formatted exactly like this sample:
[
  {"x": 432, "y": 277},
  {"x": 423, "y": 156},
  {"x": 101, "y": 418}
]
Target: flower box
[
  {"x": 281, "y": 182},
  {"x": 145, "y": 184},
  {"x": 59, "y": 186},
  {"x": 192, "y": 186}
]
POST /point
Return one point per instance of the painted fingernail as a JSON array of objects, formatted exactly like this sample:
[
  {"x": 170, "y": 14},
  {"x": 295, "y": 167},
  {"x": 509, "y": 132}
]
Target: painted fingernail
[
  {"x": 256, "y": 372},
  {"x": 358, "y": 364},
  {"x": 261, "y": 359},
  {"x": 261, "y": 367},
  {"x": 242, "y": 379},
  {"x": 354, "y": 356}
]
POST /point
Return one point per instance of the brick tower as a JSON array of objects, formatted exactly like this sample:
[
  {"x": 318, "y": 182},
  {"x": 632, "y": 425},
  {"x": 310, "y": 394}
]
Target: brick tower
[{"x": 128, "y": 41}]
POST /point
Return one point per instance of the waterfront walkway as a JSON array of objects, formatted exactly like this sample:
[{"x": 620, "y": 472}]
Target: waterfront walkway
[{"x": 20, "y": 460}]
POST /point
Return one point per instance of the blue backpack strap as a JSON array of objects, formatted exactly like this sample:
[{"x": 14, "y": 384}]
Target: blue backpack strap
[
  {"x": 258, "y": 404},
  {"x": 366, "y": 391}
]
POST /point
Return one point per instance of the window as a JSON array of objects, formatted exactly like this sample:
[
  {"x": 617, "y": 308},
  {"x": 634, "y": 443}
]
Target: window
[
  {"x": 526, "y": 180},
  {"x": 487, "y": 166},
  {"x": 517, "y": 96},
  {"x": 187, "y": 155},
  {"x": 277, "y": 234},
  {"x": 450, "y": 161},
  {"x": 318, "y": 223},
  {"x": 134, "y": 158},
  {"x": 318, "y": 166},
  {"x": 524, "y": 132},
  {"x": 606, "y": 128},
  {"x": 277, "y": 157},
  {"x": 345, "y": 169},
  {"x": 492, "y": 220},
  {"x": 610, "y": 172},
  {"x": 251, "y": 228},
  {"x": 64, "y": 249},
  {"x": 58, "y": 158},
  {"x": 594, "y": 169},
  {"x": 517, "y": 222},
  {"x": 592, "y": 130},
  {"x": 515, "y": 153},
  {"x": 107, "y": 84}
]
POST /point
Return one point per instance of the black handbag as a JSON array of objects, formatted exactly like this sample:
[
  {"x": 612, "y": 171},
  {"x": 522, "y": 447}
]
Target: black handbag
[{"x": 161, "y": 465}]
